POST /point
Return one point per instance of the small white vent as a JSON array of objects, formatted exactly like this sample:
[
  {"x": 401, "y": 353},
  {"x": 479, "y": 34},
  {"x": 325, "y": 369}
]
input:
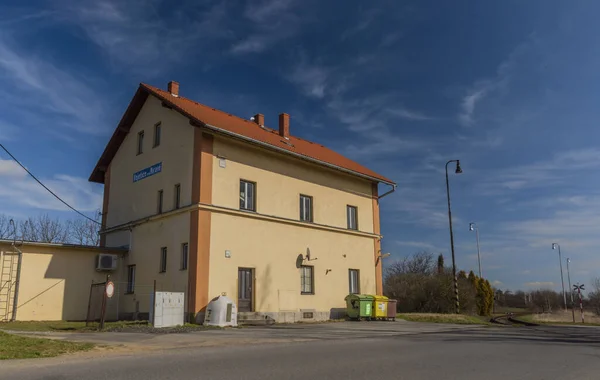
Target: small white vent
[{"x": 106, "y": 262}]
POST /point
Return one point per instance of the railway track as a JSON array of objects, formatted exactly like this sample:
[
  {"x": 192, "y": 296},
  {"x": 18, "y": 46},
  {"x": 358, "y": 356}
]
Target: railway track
[{"x": 510, "y": 319}]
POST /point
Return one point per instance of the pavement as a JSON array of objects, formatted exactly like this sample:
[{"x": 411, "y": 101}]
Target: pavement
[{"x": 373, "y": 350}]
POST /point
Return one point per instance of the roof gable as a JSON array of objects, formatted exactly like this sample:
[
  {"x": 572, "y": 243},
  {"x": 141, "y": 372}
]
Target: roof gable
[{"x": 222, "y": 122}]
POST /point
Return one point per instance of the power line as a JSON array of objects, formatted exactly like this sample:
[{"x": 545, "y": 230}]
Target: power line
[{"x": 45, "y": 187}]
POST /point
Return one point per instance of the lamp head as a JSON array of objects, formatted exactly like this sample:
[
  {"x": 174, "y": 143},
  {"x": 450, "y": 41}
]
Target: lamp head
[
  {"x": 471, "y": 226},
  {"x": 554, "y": 245},
  {"x": 458, "y": 169}
]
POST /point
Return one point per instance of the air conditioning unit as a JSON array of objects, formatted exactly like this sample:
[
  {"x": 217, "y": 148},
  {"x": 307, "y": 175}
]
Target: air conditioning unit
[{"x": 106, "y": 262}]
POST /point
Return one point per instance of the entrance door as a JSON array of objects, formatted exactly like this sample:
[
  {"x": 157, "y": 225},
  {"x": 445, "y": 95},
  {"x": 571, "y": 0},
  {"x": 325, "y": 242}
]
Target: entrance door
[{"x": 245, "y": 289}]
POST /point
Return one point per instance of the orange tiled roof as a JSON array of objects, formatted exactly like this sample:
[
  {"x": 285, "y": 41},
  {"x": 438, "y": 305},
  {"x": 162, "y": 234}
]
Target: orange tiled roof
[{"x": 228, "y": 124}]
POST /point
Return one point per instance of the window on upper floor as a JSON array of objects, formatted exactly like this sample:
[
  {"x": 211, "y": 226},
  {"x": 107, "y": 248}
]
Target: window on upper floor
[
  {"x": 247, "y": 195},
  {"x": 140, "y": 143},
  {"x": 163, "y": 260},
  {"x": 159, "y": 205},
  {"x": 354, "y": 281},
  {"x": 306, "y": 208},
  {"x": 130, "y": 279},
  {"x": 307, "y": 284},
  {"x": 184, "y": 256},
  {"x": 157, "y": 131},
  {"x": 352, "y": 215},
  {"x": 177, "y": 196}
]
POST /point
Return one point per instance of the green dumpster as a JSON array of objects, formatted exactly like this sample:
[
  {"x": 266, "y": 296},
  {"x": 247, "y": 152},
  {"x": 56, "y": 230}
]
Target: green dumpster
[{"x": 359, "y": 306}]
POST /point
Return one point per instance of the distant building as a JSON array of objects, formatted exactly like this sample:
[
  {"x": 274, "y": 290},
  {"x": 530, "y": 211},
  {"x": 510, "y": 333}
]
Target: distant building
[{"x": 209, "y": 204}]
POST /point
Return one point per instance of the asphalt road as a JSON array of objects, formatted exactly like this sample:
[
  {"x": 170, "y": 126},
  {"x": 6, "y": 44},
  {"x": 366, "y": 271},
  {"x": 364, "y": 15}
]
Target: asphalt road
[{"x": 469, "y": 353}]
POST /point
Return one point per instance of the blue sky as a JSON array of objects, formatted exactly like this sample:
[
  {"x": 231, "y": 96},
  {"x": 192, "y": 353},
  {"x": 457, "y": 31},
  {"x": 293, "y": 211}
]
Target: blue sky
[{"x": 510, "y": 88}]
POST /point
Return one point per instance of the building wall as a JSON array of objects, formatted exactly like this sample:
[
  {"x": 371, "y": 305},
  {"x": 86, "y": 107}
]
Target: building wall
[
  {"x": 280, "y": 181},
  {"x": 55, "y": 282},
  {"x": 134, "y": 200},
  {"x": 146, "y": 243},
  {"x": 273, "y": 249}
]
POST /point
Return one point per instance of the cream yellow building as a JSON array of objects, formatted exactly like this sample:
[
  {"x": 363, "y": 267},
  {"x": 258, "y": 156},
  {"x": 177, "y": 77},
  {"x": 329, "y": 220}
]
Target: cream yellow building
[
  {"x": 211, "y": 204},
  {"x": 49, "y": 281}
]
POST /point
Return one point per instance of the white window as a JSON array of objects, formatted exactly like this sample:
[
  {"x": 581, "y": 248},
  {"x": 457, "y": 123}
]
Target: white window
[
  {"x": 159, "y": 206},
  {"x": 306, "y": 208},
  {"x": 177, "y": 196},
  {"x": 130, "y": 278},
  {"x": 247, "y": 195},
  {"x": 163, "y": 260},
  {"x": 354, "y": 281},
  {"x": 352, "y": 214},
  {"x": 157, "y": 131},
  {"x": 184, "y": 256},
  {"x": 306, "y": 280},
  {"x": 140, "y": 145}
]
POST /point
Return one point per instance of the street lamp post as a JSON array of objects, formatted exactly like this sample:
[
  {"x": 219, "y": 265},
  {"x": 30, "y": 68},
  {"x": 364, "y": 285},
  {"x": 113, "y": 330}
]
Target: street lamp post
[
  {"x": 475, "y": 227},
  {"x": 570, "y": 289},
  {"x": 457, "y": 171},
  {"x": 554, "y": 246}
]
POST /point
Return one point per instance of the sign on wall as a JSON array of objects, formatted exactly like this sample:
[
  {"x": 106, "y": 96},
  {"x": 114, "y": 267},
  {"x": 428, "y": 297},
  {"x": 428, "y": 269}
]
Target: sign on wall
[{"x": 145, "y": 173}]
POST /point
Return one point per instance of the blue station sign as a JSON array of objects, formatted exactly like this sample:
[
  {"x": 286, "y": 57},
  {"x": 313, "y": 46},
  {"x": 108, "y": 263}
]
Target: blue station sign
[{"x": 145, "y": 173}]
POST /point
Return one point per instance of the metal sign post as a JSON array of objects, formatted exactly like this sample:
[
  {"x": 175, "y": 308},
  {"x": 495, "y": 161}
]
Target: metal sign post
[{"x": 579, "y": 288}]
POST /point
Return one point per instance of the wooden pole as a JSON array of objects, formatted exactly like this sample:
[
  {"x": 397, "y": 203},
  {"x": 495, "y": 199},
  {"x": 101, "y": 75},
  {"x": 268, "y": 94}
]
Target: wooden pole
[
  {"x": 104, "y": 299},
  {"x": 87, "y": 320}
]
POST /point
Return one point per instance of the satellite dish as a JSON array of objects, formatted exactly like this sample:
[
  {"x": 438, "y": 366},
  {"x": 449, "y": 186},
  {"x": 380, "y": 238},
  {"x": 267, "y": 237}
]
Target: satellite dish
[{"x": 307, "y": 253}]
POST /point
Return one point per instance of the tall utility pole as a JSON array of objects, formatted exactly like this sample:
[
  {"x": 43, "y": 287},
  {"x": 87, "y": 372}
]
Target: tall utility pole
[
  {"x": 570, "y": 289},
  {"x": 473, "y": 226},
  {"x": 457, "y": 171},
  {"x": 554, "y": 245}
]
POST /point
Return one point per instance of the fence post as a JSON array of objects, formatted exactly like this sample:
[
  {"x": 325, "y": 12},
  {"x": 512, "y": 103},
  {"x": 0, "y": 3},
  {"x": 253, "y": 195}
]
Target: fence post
[
  {"x": 103, "y": 310},
  {"x": 87, "y": 319}
]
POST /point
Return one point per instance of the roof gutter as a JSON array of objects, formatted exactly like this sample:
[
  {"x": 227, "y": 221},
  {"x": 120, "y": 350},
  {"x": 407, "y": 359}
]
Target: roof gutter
[
  {"x": 300, "y": 156},
  {"x": 388, "y": 192}
]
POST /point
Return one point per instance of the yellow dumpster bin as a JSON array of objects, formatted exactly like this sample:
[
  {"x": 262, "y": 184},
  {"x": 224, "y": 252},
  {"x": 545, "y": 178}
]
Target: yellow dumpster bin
[{"x": 380, "y": 307}]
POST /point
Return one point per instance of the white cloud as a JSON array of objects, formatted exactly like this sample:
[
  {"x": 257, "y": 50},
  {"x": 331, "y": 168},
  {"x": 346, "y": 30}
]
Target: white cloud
[
  {"x": 272, "y": 22},
  {"x": 540, "y": 174},
  {"x": 539, "y": 284},
  {"x": 312, "y": 79},
  {"x": 408, "y": 114},
  {"x": 497, "y": 283},
  {"x": 469, "y": 102},
  {"x": 485, "y": 87},
  {"x": 390, "y": 39},
  {"x": 24, "y": 192},
  {"x": 136, "y": 34},
  {"x": 9, "y": 168},
  {"x": 266, "y": 10},
  {"x": 364, "y": 22},
  {"x": 33, "y": 83},
  {"x": 418, "y": 244}
]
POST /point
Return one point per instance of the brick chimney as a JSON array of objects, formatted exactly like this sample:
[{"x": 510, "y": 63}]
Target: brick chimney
[
  {"x": 284, "y": 125},
  {"x": 259, "y": 119},
  {"x": 174, "y": 88}
]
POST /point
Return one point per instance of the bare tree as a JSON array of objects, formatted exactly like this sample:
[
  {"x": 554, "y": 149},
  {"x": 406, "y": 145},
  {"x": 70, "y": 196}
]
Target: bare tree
[
  {"x": 84, "y": 232},
  {"x": 594, "y": 296},
  {"x": 44, "y": 229},
  {"x": 5, "y": 228}
]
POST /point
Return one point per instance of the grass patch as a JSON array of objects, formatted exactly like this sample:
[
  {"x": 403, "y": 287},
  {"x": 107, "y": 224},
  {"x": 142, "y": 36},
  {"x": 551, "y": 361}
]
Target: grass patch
[
  {"x": 64, "y": 326},
  {"x": 531, "y": 318},
  {"x": 445, "y": 318},
  {"x": 21, "y": 347}
]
